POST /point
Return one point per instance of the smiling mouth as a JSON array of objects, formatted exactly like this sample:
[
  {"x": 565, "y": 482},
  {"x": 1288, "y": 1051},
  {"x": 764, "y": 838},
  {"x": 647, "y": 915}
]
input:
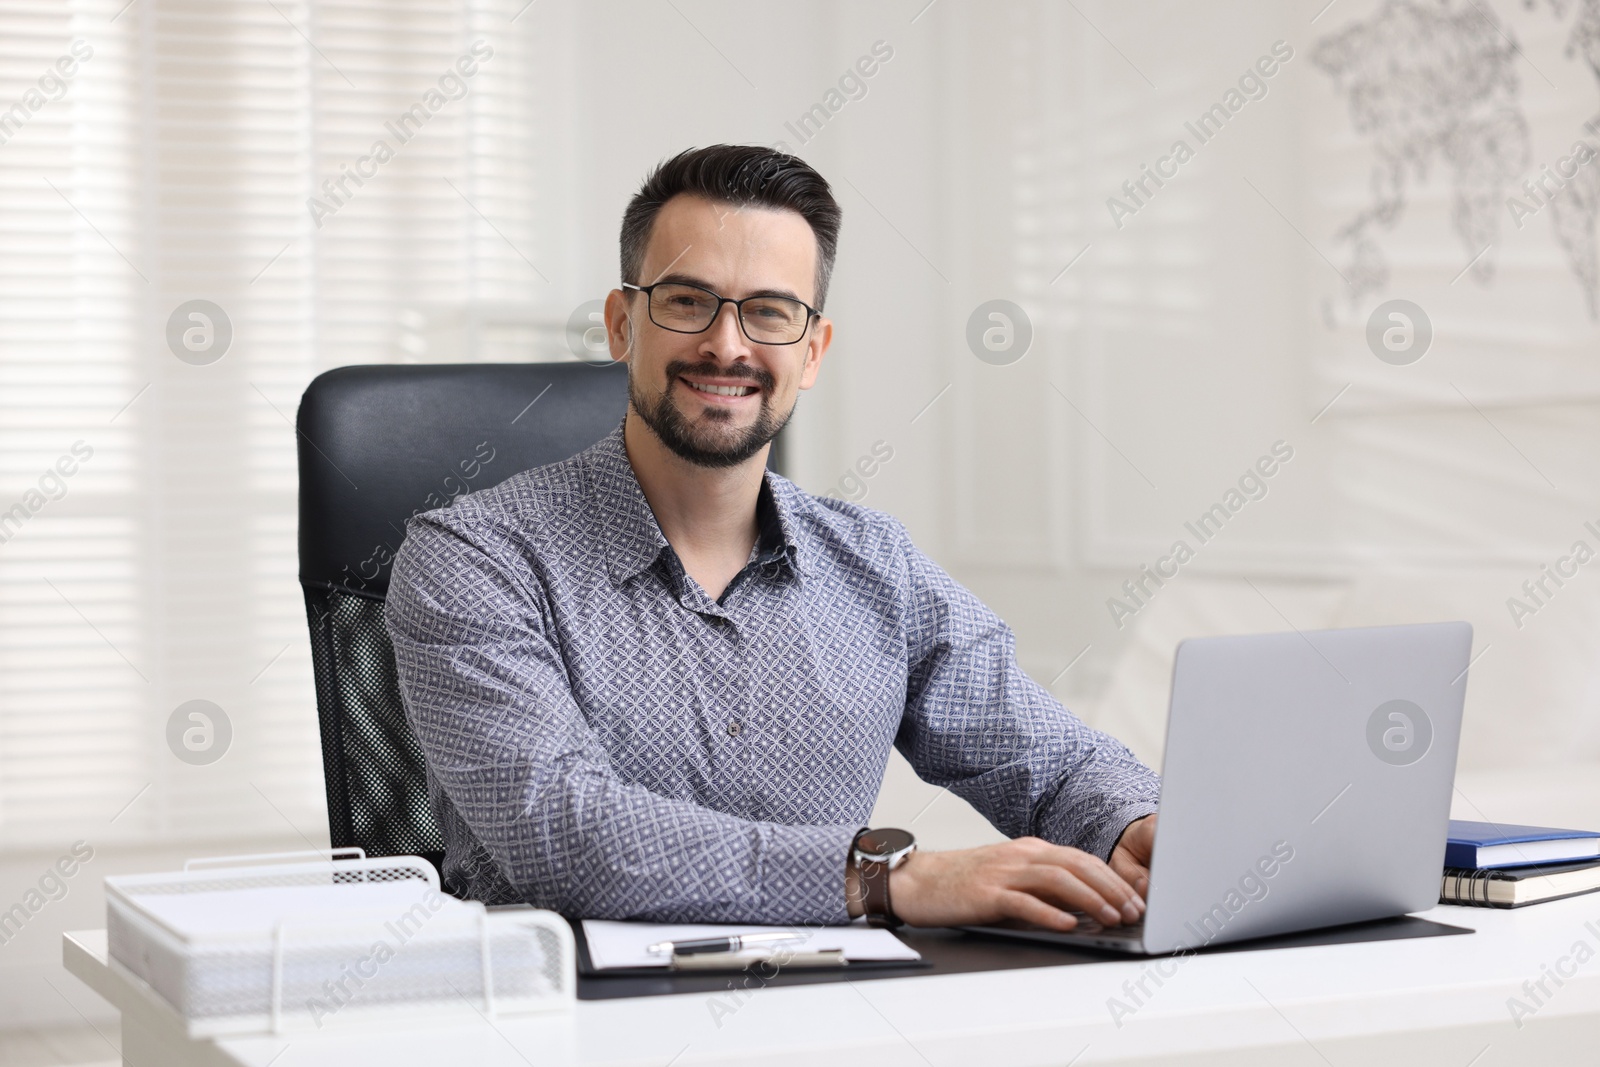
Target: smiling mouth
[{"x": 721, "y": 390}]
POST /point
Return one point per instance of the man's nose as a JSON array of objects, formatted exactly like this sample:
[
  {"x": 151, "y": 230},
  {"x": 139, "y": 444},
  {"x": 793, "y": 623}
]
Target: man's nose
[{"x": 725, "y": 333}]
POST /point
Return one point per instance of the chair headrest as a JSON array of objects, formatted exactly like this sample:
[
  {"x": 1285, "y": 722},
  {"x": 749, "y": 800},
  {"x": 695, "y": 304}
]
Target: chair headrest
[{"x": 380, "y": 442}]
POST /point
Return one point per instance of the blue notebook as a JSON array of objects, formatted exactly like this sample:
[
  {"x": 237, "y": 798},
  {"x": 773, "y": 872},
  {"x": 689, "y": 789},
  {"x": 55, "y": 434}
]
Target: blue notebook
[{"x": 1487, "y": 844}]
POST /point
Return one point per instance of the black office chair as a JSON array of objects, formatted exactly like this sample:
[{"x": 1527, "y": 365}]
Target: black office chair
[{"x": 377, "y": 444}]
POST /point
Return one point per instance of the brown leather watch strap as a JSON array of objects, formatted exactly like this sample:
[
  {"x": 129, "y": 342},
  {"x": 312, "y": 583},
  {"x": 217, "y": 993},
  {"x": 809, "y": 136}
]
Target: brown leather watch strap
[
  {"x": 875, "y": 890},
  {"x": 873, "y": 880}
]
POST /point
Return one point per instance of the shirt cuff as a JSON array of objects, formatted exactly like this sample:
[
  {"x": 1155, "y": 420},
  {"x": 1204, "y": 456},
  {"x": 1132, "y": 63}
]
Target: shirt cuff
[
  {"x": 1118, "y": 820},
  {"x": 802, "y": 873}
]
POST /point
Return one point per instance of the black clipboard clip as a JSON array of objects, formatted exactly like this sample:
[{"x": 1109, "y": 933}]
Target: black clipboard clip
[{"x": 832, "y": 958}]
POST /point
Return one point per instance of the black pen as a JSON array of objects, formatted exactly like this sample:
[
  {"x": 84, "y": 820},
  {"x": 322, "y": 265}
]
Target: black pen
[{"x": 719, "y": 944}]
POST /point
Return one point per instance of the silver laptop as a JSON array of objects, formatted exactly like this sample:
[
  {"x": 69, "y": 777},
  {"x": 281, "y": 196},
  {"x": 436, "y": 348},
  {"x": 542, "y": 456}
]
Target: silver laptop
[{"x": 1306, "y": 783}]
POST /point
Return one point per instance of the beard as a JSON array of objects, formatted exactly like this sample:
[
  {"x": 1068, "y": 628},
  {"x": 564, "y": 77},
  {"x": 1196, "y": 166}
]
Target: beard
[{"x": 698, "y": 445}]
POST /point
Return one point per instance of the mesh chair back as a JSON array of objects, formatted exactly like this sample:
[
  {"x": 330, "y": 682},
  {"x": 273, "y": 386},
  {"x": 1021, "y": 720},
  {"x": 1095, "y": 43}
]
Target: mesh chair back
[{"x": 376, "y": 445}]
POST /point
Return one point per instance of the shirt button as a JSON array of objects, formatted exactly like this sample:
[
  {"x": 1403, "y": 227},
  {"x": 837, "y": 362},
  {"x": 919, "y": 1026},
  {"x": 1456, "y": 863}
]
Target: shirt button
[{"x": 734, "y": 728}]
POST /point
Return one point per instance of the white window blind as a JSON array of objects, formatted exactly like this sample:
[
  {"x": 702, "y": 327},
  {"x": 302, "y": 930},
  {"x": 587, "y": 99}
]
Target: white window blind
[{"x": 176, "y": 165}]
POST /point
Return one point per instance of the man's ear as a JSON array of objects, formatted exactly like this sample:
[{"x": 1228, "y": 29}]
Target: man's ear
[
  {"x": 816, "y": 347},
  {"x": 619, "y": 328}
]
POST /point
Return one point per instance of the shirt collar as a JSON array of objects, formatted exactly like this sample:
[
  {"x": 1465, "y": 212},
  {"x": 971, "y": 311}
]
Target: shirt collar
[
  {"x": 625, "y": 525},
  {"x": 632, "y": 538},
  {"x": 775, "y": 514}
]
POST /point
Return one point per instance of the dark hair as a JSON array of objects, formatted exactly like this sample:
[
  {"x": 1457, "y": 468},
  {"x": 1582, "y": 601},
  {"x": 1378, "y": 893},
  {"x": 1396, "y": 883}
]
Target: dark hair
[{"x": 739, "y": 175}]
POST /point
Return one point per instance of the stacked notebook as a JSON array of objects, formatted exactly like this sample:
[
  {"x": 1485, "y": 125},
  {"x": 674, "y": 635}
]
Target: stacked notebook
[{"x": 1503, "y": 866}]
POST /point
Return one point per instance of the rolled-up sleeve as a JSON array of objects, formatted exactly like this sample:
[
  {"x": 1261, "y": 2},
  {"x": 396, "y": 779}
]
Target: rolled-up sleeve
[
  {"x": 487, "y": 694},
  {"x": 977, "y": 724}
]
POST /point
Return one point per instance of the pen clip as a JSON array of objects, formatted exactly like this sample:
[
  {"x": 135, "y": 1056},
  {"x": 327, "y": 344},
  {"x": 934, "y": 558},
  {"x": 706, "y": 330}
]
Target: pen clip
[{"x": 701, "y": 945}]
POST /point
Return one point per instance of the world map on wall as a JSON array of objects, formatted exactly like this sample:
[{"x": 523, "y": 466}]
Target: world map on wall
[{"x": 1434, "y": 87}]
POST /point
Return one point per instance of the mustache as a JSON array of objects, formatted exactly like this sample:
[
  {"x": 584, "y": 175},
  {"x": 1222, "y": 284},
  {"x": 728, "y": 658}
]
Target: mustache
[{"x": 760, "y": 377}]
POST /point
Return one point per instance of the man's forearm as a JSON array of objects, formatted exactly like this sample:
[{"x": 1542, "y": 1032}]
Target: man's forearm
[{"x": 584, "y": 843}]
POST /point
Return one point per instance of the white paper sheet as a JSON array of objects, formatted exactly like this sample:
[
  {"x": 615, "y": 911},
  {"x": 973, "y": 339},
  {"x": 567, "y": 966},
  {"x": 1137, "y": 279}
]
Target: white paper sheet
[
  {"x": 258, "y": 908},
  {"x": 626, "y": 944}
]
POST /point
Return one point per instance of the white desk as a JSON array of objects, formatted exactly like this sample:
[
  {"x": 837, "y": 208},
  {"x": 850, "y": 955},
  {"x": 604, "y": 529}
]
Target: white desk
[{"x": 1436, "y": 1000}]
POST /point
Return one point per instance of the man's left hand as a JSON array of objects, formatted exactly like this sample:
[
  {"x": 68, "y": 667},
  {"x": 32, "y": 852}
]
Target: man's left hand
[{"x": 1131, "y": 856}]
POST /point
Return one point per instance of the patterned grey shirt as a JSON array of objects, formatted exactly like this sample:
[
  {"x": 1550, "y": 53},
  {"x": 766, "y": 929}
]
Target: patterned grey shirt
[{"x": 604, "y": 739}]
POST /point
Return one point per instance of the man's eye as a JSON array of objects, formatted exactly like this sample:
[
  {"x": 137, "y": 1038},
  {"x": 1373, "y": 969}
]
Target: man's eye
[{"x": 770, "y": 312}]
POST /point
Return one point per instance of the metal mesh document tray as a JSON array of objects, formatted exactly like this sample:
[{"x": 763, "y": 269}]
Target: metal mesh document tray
[{"x": 248, "y": 944}]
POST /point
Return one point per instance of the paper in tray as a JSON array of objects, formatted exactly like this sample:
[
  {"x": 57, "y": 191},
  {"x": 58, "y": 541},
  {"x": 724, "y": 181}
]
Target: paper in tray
[{"x": 294, "y": 945}]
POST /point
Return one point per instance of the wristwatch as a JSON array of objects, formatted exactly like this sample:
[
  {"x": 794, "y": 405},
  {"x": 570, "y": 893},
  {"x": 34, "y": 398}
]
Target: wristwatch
[{"x": 875, "y": 853}]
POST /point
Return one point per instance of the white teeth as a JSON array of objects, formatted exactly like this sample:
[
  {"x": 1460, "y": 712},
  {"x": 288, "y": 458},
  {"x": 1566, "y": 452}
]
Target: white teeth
[{"x": 723, "y": 390}]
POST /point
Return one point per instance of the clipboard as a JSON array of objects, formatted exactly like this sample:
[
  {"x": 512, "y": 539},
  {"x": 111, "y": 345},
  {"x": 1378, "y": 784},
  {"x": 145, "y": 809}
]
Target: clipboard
[{"x": 723, "y": 966}]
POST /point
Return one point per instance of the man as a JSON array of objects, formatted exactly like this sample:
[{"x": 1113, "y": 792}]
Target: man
[{"x": 658, "y": 681}]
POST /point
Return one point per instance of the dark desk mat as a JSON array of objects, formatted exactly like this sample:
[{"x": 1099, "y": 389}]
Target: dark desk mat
[{"x": 946, "y": 951}]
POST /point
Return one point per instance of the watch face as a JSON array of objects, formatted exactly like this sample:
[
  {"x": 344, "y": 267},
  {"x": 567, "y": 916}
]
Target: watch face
[{"x": 881, "y": 844}]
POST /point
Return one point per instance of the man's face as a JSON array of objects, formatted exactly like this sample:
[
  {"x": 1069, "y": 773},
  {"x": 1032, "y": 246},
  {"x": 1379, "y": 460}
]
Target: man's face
[{"x": 734, "y": 252}]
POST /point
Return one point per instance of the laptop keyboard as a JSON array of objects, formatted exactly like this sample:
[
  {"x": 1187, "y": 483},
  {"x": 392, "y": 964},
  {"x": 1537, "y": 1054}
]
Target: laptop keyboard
[{"x": 1086, "y": 925}]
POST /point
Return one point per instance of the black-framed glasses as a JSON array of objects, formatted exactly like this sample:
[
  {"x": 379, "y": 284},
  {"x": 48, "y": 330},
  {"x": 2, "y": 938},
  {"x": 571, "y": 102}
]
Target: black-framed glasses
[{"x": 765, "y": 320}]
